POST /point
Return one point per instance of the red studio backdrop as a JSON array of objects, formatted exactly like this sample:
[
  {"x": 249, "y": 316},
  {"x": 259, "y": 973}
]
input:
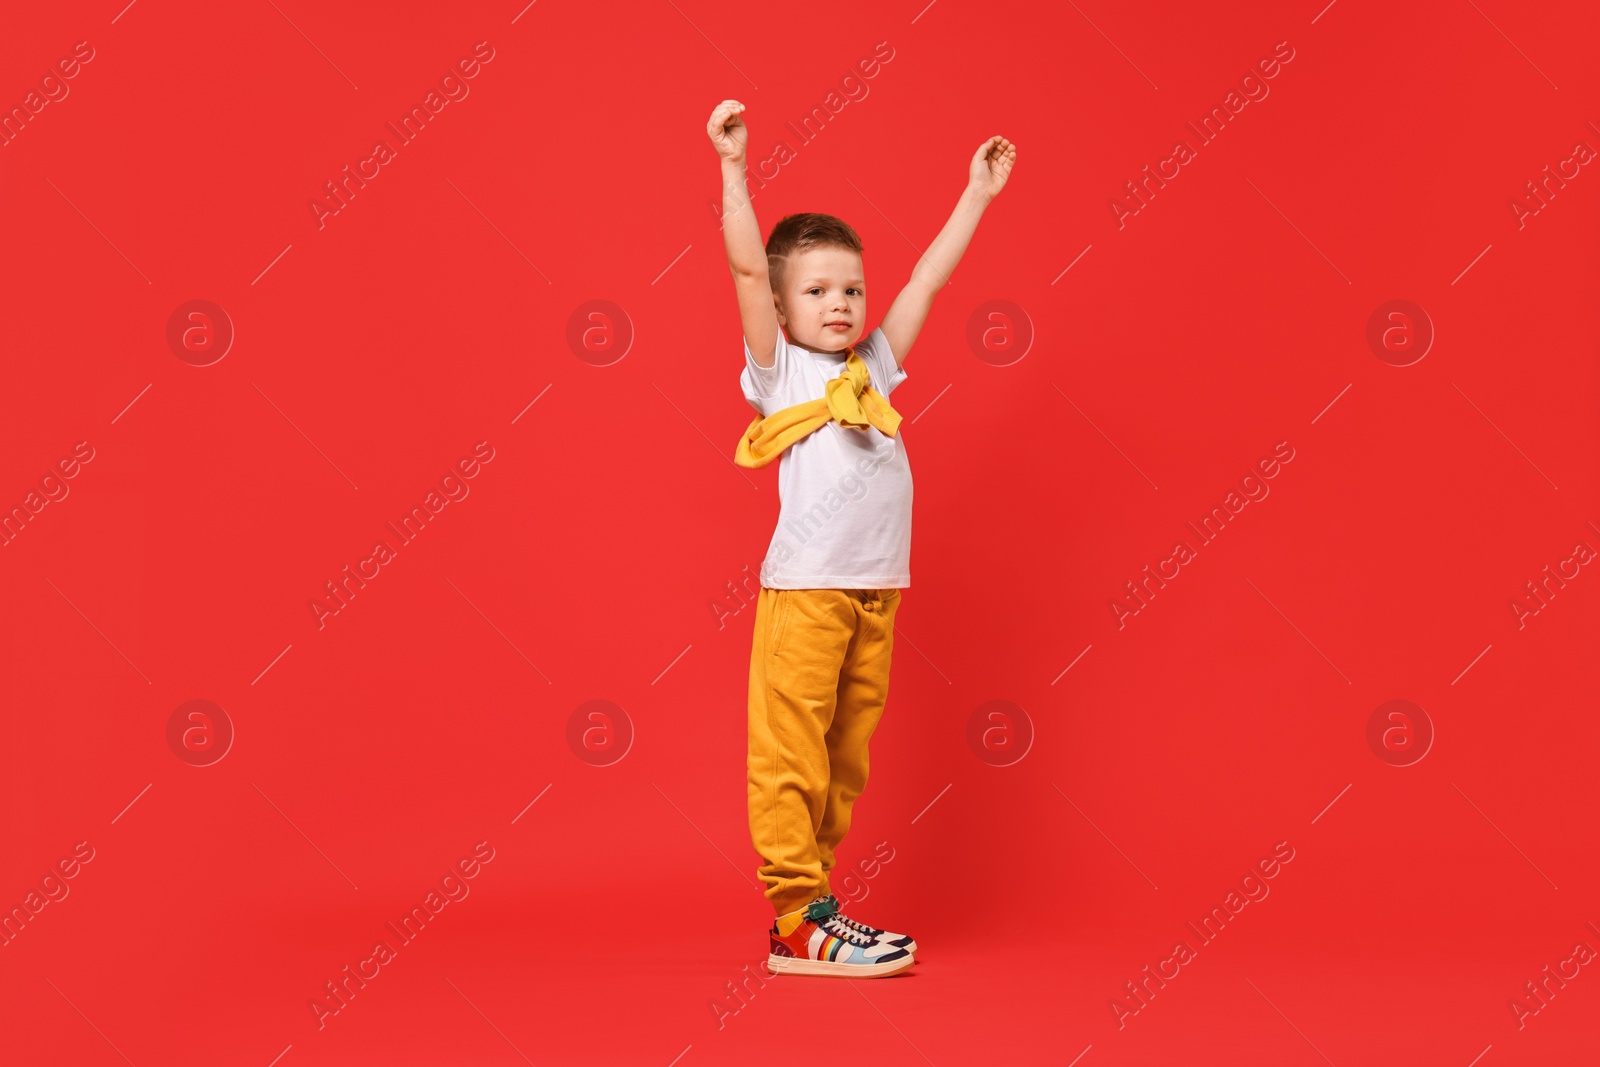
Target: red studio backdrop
[{"x": 1244, "y": 696}]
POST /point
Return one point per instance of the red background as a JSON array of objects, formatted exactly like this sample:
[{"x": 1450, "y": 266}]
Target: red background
[{"x": 373, "y": 352}]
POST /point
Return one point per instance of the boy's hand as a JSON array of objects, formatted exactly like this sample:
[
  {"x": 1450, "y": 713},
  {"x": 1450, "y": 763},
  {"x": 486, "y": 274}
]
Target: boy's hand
[
  {"x": 991, "y": 166},
  {"x": 728, "y": 133}
]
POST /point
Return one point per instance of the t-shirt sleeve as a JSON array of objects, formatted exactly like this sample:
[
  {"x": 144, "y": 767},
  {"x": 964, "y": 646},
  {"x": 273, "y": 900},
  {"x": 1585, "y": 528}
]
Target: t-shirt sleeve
[
  {"x": 874, "y": 349},
  {"x": 760, "y": 384}
]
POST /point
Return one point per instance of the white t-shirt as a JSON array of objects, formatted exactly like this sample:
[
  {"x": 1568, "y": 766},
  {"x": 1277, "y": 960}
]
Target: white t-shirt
[{"x": 844, "y": 520}]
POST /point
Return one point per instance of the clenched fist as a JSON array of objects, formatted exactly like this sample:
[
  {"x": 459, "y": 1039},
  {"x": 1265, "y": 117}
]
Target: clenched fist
[{"x": 728, "y": 133}]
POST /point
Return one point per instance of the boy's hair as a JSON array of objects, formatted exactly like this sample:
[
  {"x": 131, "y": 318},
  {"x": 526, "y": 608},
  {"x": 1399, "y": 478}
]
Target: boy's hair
[{"x": 801, "y": 233}]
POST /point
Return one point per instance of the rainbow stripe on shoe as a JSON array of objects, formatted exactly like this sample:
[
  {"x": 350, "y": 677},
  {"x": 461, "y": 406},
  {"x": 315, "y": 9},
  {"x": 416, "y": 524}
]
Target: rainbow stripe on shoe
[{"x": 816, "y": 940}]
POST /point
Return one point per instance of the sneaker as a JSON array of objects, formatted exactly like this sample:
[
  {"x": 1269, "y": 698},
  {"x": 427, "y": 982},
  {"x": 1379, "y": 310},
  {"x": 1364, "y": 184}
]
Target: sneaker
[
  {"x": 815, "y": 940},
  {"x": 888, "y": 936}
]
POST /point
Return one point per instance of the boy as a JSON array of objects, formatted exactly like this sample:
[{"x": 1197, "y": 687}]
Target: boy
[{"x": 831, "y": 579}]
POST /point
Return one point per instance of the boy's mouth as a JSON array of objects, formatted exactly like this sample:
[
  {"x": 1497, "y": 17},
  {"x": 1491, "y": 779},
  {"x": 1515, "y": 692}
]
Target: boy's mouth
[{"x": 837, "y": 325}]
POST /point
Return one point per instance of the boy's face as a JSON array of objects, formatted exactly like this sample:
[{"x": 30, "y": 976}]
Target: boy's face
[{"x": 823, "y": 304}]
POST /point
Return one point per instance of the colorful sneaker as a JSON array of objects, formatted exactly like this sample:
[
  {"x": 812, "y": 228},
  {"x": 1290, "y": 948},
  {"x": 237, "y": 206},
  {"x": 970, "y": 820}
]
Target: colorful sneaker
[
  {"x": 815, "y": 940},
  {"x": 897, "y": 940}
]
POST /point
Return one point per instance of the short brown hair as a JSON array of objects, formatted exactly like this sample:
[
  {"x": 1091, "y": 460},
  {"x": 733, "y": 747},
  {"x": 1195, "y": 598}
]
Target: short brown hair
[{"x": 801, "y": 233}]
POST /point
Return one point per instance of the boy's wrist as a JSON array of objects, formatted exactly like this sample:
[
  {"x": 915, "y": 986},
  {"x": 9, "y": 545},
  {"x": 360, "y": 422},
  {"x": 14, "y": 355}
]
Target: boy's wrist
[{"x": 733, "y": 178}]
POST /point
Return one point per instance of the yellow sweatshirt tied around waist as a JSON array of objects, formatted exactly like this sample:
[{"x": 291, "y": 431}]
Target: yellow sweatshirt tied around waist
[{"x": 851, "y": 401}]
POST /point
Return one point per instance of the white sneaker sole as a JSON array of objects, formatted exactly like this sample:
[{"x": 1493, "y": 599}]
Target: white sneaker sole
[{"x": 828, "y": 969}]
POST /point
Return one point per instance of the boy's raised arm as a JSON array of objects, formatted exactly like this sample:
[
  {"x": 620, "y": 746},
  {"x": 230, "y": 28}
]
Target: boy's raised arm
[
  {"x": 991, "y": 166},
  {"x": 747, "y": 257}
]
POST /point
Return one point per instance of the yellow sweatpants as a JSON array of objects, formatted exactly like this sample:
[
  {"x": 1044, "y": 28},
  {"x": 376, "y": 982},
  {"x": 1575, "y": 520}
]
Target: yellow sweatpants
[{"x": 819, "y": 677}]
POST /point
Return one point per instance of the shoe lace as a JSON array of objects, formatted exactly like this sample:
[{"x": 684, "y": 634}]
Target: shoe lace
[
  {"x": 863, "y": 927},
  {"x": 825, "y": 913},
  {"x": 838, "y": 928}
]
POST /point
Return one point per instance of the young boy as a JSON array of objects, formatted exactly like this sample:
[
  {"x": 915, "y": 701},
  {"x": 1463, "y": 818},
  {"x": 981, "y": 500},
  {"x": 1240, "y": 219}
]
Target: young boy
[{"x": 831, "y": 580}]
